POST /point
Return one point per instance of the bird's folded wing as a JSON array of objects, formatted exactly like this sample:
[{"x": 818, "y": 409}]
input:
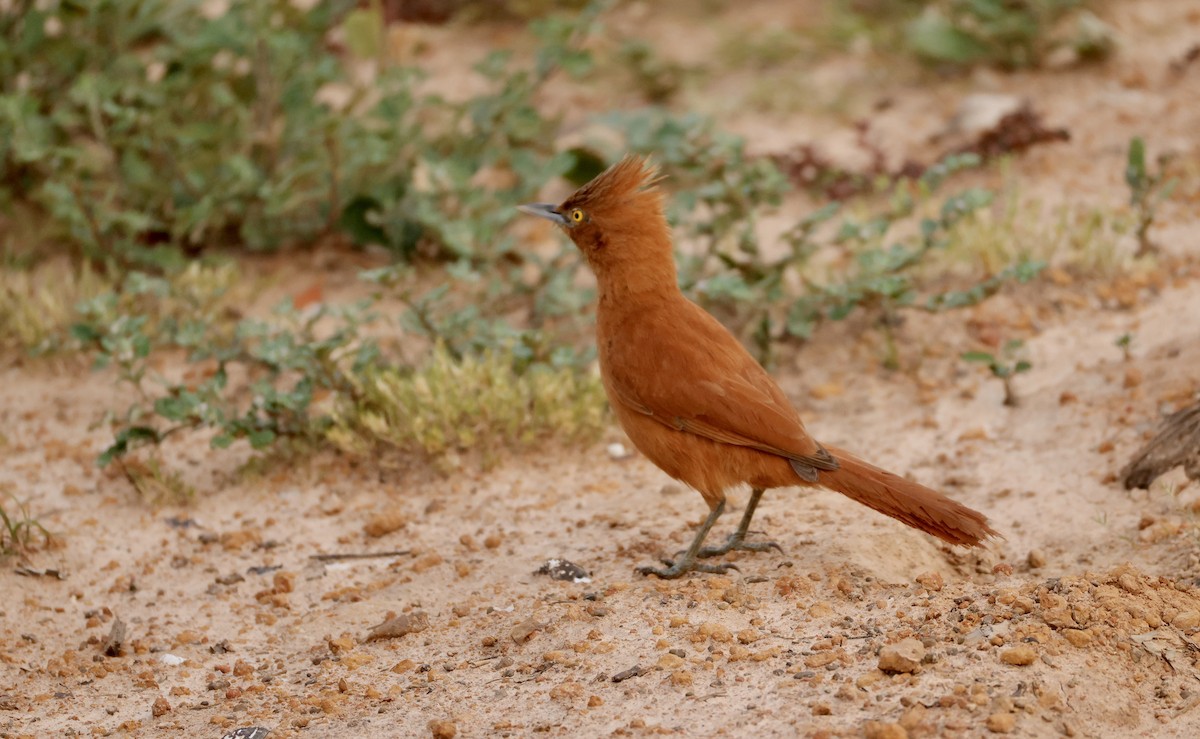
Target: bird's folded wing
[{"x": 742, "y": 407}]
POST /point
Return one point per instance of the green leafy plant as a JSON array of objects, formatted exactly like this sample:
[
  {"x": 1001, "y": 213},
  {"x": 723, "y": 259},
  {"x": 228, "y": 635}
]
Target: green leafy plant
[
  {"x": 314, "y": 377},
  {"x": 280, "y": 366},
  {"x": 885, "y": 277},
  {"x": 1005, "y": 367},
  {"x": 484, "y": 402},
  {"x": 498, "y": 137},
  {"x": 1147, "y": 191},
  {"x": 1083, "y": 238},
  {"x": 98, "y": 129},
  {"x": 1124, "y": 342},
  {"x": 733, "y": 274},
  {"x": 101, "y": 131},
  {"x": 1007, "y": 33},
  {"x": 19, "y": 530},
  {"x": 292, "y": 147}
]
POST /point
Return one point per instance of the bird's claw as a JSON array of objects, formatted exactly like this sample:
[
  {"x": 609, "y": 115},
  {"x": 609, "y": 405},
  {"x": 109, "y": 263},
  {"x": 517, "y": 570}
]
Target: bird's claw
[
  {"x": 738, "y": 543},
  {"x": 677, "y": 568}
]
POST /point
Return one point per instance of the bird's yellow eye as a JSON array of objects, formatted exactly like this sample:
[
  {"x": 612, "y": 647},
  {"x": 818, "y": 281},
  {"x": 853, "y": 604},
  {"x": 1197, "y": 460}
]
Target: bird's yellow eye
[{"x": 577, "y": 215}]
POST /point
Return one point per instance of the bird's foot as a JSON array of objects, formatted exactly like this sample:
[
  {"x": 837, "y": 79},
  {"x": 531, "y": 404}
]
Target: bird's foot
[
  {"x": 737, "y": 542},
  {"x": 678, "y": 567}
]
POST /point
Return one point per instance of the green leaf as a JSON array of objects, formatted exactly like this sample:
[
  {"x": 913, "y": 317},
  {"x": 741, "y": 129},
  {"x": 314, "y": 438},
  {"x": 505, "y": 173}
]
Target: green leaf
[
  {"x": 261, "y": 438},
  {"x": 176, "y": 408},
  {"x": 109, "y": 454},
  {"x": 840, "y": 310},
  {"x": 126, "y": 439},
  {"x": 937, "y": 40},
  {"x": 141, "y": 346},
  {"x": 585, "y": 165},
  {"x": 85, "y": 333},
  {"x": 728, "y": 286},
  {"x": 576, "y": 63},
  {"x": 363, "y": 30},
  {"x": 977, "y": 356},
  {"x": 357, "y": 223},
  {"x": 1135, "y": 167}
]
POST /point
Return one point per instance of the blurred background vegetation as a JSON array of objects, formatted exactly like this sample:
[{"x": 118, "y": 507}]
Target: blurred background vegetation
[{"x": 149, "y": 149}]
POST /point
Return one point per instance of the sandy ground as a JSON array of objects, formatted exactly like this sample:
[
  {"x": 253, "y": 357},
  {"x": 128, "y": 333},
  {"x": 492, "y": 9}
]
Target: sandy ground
[{"x": 1083, "y": 621}]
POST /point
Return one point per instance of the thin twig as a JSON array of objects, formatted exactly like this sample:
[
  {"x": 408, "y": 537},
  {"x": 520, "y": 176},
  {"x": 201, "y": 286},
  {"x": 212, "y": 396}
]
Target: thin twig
[
  {"x": 359, "y": 555},
  {"x": 335, "y": 198}
]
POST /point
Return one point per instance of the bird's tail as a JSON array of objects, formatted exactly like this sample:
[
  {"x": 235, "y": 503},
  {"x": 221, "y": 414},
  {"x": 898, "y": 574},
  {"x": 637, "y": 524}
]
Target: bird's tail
[{"x": 906, "y": 501}]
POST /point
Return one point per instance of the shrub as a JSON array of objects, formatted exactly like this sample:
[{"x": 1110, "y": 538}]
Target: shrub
[
  {"x": 99, "y": 128},
  {"x": 485, "y": 402},
  {"x": 1005, "y": 33}
]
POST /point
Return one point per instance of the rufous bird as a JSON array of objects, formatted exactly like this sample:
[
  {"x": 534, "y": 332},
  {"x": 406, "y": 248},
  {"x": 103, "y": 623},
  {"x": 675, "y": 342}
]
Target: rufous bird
[{"x": 689, "y": 395}]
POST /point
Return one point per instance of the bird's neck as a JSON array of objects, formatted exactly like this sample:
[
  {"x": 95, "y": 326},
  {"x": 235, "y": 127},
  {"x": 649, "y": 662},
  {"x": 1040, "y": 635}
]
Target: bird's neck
[
  {"x": 644, "y": 283},
  {"x": 638, "y": 273}
]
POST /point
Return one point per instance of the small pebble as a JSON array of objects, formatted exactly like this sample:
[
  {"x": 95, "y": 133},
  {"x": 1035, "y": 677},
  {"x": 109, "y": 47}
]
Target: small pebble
[
  {"x": 1129, "y": 583},
  {"x": 1186, "y": 620},
  {"x": 385, "y": 522},
  {"x": 903, "y": 656},
  {"x": 624, "y": 675},
  {"x": 442, "y": 729},
  {"x": 567, "y": 692},
  {"x": 1001, "y": 723},
  {"x": 931, "y": 581},
  {"x": 398, "y": 626},
  {"x": 525, "y": 630},
  {"x": 1020, "y": 655},
  {"x": 1036, "y": 559},
  {"x": 884, "y": 730}
]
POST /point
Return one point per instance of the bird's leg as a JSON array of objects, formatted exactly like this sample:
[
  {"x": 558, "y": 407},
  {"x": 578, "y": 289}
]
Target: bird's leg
[
  {"x": 688, "y": 562},
  {"x": 737, "y": 540}
]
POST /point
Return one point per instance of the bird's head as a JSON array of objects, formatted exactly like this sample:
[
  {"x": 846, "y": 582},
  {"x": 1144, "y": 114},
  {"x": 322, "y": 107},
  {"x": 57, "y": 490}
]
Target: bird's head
[{"x": 616, "y": 217}]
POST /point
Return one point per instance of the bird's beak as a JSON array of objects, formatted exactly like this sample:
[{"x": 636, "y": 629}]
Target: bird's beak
[{"x": 549, "y": 211}]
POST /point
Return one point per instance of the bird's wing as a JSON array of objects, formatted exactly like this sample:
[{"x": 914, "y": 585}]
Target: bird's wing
[{"x": 698, "y": 378}]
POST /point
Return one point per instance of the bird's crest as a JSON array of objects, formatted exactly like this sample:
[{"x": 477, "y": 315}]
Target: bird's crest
[{"x": 632, "y": 176}]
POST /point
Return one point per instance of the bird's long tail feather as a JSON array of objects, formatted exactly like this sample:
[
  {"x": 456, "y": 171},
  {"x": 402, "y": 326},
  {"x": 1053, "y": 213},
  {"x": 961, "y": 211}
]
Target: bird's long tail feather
[{"x": 906, "y": 501}]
